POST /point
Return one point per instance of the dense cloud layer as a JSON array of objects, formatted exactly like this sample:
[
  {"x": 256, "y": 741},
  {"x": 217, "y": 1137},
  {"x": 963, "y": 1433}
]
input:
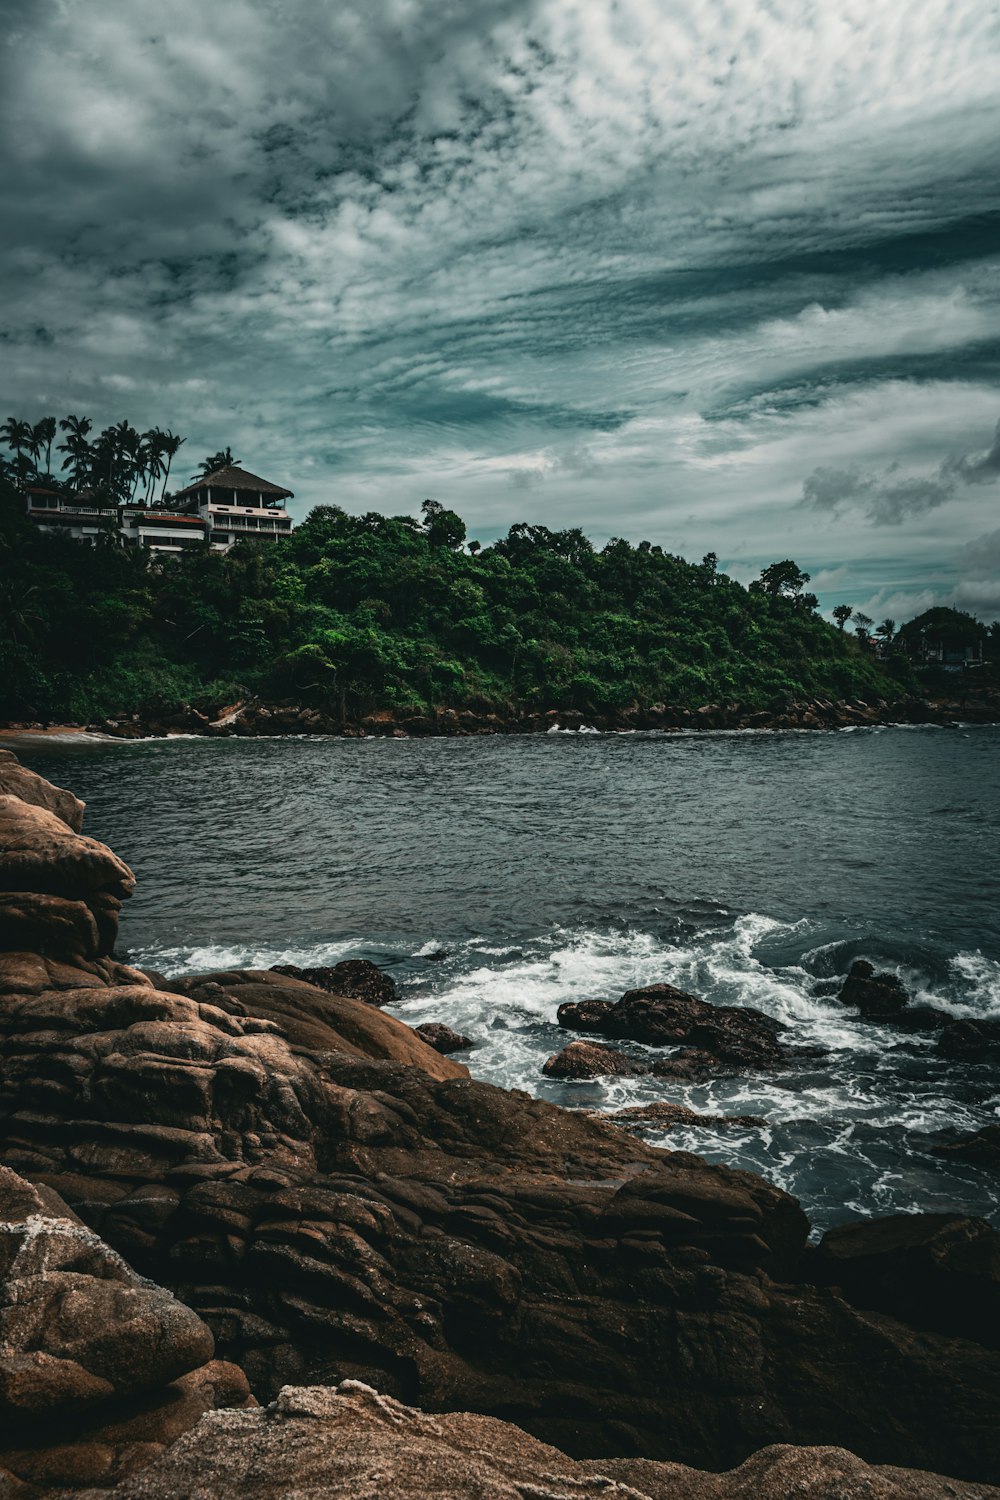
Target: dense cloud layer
[{"x": 721, "y": 274}]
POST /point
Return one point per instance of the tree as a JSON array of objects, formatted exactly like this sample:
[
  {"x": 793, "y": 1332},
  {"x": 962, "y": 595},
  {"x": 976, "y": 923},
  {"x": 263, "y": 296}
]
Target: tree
[
  {"x": 20, "y": 437},
  {"x": 169, "y": 445},
  {"x": 78, "y": 449},
  {"x": 43, "y": 436},
  {"x": 862, "y": 625},
  {"x": 842, "y": 613},
  {"x": 222, "y": 460},
  {"x": 784, "y": 580},
  {"x": 444, "y": 528},
  {"x": 886, "y": 630}
]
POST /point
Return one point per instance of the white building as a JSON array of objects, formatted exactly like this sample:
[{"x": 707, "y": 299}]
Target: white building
[
  {"x": 221, "y": 509},
  {"x": 234, "y": 504}
]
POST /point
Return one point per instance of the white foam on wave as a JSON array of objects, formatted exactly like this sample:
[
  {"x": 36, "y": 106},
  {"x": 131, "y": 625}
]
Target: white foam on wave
[{"x": 208, "y": 958}]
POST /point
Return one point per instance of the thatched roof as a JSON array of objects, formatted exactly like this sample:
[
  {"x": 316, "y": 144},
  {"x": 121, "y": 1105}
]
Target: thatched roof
[{"x": 235, "y": 478}]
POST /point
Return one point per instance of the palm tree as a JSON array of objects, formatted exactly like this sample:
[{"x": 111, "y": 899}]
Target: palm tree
[
  {"x": 169, "y": 443},
  {"x": 43, "y": 436},
  {"x": 78, "y": 449},
  {"x": 222, "y": 460},
  {"x": 886, "y": 630},
  {"x": 20, "y": 436}
]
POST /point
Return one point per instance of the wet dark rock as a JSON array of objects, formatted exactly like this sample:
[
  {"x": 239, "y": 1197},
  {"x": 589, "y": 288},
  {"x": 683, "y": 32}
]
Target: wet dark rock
[
  {"x": 666, "y": 1116},
  {"x": 355, "y": 977},
  {"x": 661, "y": 1016},
  {"x": 442, "y": 1038},
  {"x": 591, "y": 1060},
  {"x": 875, "y": 995},
  {"x": 938, "y": 1271},
  {"x": 971, "y": 1040},
  {"x": 981, "y": 1147}
]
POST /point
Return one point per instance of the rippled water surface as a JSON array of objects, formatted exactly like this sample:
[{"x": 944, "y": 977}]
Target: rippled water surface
[{"x": 749, "y": 868}]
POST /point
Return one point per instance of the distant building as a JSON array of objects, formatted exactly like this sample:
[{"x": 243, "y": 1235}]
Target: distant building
[
  {"x": 81, "y": 516},
  {"x": 954, "y": 656},
  {"x": 220, "y": 509},
  {"x": 234, "y": 503}
]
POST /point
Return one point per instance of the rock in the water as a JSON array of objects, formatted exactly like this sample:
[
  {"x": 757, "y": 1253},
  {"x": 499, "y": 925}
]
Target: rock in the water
[
  {"x": 970, "y": 1040},
  {"x": 980, "y": 1146},
  {"x": 736, "y": 1037},
  {"x": 939, "y": 1271},
  {"x": 353, "y": 1443},
  {"x": 356, "y": 978},
  {"x": 666, "y": 1116},
  {"x": 874, "y": 995},
  {"x": 591, "y": 1060},
  {"x": 442, "y": 1038}
]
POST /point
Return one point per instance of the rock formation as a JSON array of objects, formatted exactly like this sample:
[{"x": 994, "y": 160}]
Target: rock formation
[
  {"x": 711, "y": 1038},
  {"x": 357, "y": 978},
  {"x": 334, "y": 1199},
  {"x": 117, "y": 1367},
  {"x": 356, "y": 1444}
]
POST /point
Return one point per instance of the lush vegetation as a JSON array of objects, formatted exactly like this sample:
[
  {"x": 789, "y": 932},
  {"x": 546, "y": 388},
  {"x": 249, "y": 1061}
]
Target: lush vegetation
[{"x": 353, "y": 613}]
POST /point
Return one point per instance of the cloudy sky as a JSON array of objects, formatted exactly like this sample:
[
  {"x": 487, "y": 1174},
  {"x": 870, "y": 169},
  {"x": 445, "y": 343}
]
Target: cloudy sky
[{"x": 719, "y": 273}]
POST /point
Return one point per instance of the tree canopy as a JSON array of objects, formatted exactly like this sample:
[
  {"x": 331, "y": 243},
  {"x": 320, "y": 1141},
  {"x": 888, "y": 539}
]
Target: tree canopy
[{"x": 361, "y": 612}]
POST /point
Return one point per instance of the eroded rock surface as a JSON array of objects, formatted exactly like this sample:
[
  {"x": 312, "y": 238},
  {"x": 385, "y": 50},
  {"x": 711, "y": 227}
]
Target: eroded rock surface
[
  {"x": 116, "y": 1366},
  {"x": 357, "y": 1444}
]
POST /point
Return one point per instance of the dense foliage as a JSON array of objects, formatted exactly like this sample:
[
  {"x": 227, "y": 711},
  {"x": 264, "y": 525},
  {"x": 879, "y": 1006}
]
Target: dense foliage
[{"x": 353, "y": 613}]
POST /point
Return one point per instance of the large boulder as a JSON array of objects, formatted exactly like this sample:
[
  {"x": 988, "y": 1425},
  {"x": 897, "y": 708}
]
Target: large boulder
[
  {"x": 939, "y": 1271},
  {"x": 17, "y": 781},
  {"x": 735, "y": 1037},
  {"x": 591, "y": 1060},
  {"x": 357, "y": 978},
  {"x": 47, "y": 871},
  {"x": 354, "y": 1443},
  {"x": 89, "y": 1350},
  {"x": 875, "y": 995}
]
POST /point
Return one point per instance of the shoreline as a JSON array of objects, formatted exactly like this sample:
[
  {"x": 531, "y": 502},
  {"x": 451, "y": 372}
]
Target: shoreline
[{"x": 252, "y": 719}]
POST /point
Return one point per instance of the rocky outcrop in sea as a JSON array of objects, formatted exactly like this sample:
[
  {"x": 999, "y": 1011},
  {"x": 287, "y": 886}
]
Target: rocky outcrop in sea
[{"x": 240, "y": 1186}]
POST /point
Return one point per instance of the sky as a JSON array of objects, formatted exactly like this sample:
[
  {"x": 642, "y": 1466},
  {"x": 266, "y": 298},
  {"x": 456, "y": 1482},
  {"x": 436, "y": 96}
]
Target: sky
[{"x": 723, "y": 274}]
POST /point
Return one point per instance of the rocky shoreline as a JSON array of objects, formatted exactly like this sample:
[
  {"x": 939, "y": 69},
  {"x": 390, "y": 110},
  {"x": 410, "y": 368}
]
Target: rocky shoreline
[
  {"x": 246, "y": 1187},
  {"x": 970, "y": 704}
]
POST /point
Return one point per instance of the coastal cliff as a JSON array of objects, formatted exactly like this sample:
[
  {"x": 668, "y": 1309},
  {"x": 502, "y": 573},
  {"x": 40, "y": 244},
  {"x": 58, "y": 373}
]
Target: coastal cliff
[{"x": 266, "y": 1185}]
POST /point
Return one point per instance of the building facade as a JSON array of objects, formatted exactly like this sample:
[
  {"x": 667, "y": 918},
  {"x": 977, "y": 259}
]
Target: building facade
[
  {"x": 234, "y": 504},
  {"x": 220, "y": 509}
]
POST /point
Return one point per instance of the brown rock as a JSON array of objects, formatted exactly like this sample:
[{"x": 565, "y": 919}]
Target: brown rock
[
  {"x": 354, "y": 977},
  {"x": 661, "y": 1016},
  {"x": 665, "y": 1116},
  {"x": 17, "y": 781},
  {"x": 442, "y": 1038},
  {"x": 40, "y": 853},
  {"x": 591, "y": 1060},
  {"x": 357, "y": 1444},
  {"x": 938, "y": 1271},
  {"x": 874, "y": 995}
]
